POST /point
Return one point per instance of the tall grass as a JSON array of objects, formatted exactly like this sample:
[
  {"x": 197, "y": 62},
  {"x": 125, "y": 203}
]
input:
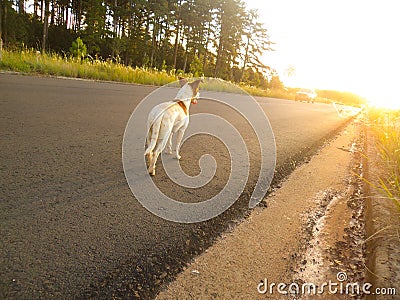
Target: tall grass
[
  {"x": 386, "y": 127},
  {"x": 31, "y": 61}
]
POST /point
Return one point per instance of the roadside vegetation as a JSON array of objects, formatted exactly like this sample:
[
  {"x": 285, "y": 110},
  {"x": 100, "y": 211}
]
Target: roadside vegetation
[
  {"x": 385, "y": 125},
  {"x": 31, "y": 61},
  {"x": 145, "y": 42}
]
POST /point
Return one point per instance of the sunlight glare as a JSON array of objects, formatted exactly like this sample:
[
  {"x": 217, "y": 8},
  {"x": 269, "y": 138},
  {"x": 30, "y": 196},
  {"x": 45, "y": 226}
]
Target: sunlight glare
[{"x": 385, "y": 100}]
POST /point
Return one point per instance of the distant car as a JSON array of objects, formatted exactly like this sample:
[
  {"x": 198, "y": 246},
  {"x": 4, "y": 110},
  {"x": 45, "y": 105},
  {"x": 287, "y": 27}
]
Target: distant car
[{"x": 308, "y": 95}]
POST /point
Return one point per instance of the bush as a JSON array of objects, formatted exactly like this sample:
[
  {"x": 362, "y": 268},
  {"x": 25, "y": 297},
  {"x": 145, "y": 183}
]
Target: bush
[{"x": 78, "y": 48}]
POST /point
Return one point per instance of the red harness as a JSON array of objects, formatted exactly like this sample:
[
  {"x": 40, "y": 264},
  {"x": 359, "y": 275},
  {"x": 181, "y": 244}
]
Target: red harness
[{"x": 183, "y": 106}]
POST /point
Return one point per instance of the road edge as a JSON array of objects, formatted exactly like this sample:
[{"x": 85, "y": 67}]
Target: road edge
[{"x": 217, "y": 274}]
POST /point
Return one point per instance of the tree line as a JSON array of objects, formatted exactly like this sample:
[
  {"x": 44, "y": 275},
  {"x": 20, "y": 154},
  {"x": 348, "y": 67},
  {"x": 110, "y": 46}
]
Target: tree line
[{"x": 217, "y": 38}]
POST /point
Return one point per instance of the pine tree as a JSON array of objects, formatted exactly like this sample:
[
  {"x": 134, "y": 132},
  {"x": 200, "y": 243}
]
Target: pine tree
[{"x": 212, "y": 37}]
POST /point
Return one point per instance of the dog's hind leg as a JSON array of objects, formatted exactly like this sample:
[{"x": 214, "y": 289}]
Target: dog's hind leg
[
  {"x": 153, "y": 161},
  {"x": 168, "y": 148},
  {"x": 152, "y": 164},
  {"x": 148, "y": 137},
  {"x": 155, "y": 154},
  {"x": 152, "y": 141},
  {"x": 163, "y": 136}
]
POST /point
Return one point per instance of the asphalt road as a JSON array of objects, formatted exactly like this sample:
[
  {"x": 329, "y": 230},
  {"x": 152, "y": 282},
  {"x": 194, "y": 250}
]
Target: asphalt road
[{"x": 70, "y": 226}]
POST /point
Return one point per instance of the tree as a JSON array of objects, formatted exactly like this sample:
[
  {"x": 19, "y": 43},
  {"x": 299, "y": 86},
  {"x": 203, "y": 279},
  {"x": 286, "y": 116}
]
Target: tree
[
  {"x": 78, "y": 48},
  {"x": 218, "y": 38},
  {"x": 1, "y": 30},
  {"x": 256, "y": 42},
  {"x": 275, "y": 82},
  {"x": 178, "y": 21},
  {"x": 45, "y": 25},
  {"x": 21, "y": 6},
  {"x": 95, "y": 31},
  {"x": 196, "y": 67},
  {"x": 3, "y": 20},
  {"x": 230, "y": 19}
]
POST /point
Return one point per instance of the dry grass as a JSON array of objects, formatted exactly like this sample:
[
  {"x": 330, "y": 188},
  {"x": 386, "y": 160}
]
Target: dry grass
[
  {"x": 31, "y": 61},
  {"x": 386, "y": 127}
]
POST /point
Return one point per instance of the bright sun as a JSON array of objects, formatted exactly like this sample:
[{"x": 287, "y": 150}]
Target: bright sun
[
  {"x": 366, "y": 65},
  {"x": 385, "y": 103},
  {"x": 384, "y": 100}
]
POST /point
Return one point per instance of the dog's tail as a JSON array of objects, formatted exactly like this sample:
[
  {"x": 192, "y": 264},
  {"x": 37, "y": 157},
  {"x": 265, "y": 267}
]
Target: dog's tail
[{"x": 152, "y": 133}]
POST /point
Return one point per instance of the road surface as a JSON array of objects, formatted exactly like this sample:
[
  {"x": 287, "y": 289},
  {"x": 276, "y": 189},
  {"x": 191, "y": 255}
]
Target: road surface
[{"x": 70, "y": 226}]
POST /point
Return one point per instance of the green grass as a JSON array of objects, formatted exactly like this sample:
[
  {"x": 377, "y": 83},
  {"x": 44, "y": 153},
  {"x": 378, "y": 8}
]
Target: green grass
[
  {"x": 386, "y": 127},
  {"x": 33, "y": 62},
  {"x": 30, "y": 61}
]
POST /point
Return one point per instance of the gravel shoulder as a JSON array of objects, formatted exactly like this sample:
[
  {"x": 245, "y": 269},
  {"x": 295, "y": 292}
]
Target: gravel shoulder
[{"x": 293, "y": 239}]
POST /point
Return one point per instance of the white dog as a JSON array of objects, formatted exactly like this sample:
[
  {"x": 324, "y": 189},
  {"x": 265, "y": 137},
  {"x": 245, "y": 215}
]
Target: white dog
[{"x": 167, "y": 118}]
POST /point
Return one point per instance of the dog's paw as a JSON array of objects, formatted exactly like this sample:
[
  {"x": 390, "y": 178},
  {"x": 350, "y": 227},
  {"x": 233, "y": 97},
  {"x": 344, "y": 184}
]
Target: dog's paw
[{"x": 152, "y": 171}]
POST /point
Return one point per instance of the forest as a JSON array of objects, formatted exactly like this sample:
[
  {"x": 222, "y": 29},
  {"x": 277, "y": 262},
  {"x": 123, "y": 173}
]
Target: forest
[{"x": 216, "y": 38}]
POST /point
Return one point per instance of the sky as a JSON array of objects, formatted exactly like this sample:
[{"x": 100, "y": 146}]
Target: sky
[{"x": 347, "y": 45}]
